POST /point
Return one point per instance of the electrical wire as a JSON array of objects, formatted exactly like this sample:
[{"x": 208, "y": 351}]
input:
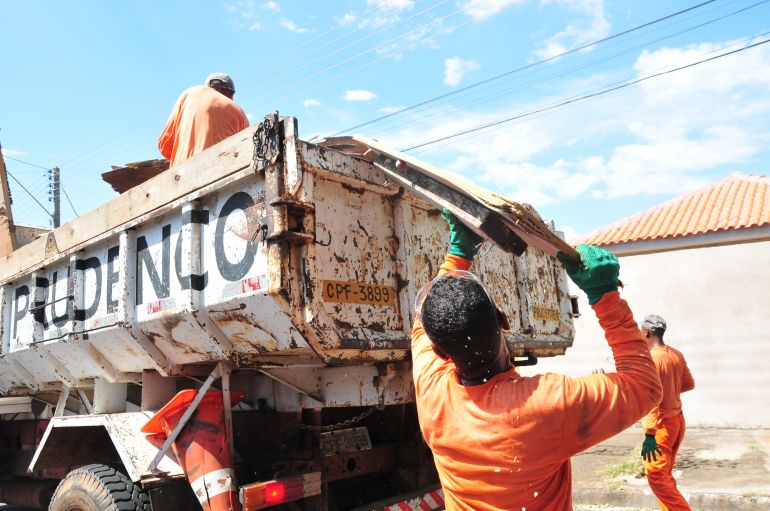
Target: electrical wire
[
  {"x": 25, "y": 162},
  {"x": 528, "y": 66},
  {"x": 584, "y": 97},
  {"x": 69, "y": 201},
  {"x": 143, "y": 130},
  {"x": 539, "y": 112},
  {"x": 349, "y": 45},
  {"x": 28, "y": 192},
  {"x": 365, "y": 52},
  {"x": 428, "y": 119}
]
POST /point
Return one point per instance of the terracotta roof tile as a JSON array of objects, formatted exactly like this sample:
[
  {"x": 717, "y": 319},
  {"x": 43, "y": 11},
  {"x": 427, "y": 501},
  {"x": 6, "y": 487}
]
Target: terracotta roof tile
[{"x": 739, "y": 201}]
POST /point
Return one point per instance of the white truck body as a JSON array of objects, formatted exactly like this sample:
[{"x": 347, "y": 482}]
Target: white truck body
[{"x": 294, "y": 264}]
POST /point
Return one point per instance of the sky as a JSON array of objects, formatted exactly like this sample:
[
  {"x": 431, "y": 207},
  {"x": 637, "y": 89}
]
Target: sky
[{"x": 90, "y": 84}]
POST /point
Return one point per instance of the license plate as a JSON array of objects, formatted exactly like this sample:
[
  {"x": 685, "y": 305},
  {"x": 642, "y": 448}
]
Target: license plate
[
  {"x": 357, "y": 292},
  {"x": 345, "y": 440}
]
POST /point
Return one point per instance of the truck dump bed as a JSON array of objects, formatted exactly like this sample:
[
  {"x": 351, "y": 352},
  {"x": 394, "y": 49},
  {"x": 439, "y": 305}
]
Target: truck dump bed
[{"x": 264, "y": 250}]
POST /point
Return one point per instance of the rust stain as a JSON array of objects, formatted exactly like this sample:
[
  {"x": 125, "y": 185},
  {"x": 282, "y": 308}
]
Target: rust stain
[
  {"x": 376, "y": 327},
  {"x": 248, "y": 230},
  {"x": 353, "y": 189}
]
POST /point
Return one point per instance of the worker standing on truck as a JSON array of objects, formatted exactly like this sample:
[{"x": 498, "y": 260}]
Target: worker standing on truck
[
  {"x": 202, "y": 116},
  {"x": 501, "y": 441},
  {"x": 664, "y": 425}
]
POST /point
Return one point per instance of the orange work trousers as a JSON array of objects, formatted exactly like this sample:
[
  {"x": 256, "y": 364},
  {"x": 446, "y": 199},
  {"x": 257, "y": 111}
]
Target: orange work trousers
[{"x": 668, "y": 436}]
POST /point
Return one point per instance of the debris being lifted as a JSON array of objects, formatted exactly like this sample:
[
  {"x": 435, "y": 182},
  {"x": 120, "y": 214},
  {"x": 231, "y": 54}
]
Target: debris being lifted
[
  {"x": 281, "y": 269},
  {"x": 130, "y": 175},
  {"x": 512, "y": 226}
]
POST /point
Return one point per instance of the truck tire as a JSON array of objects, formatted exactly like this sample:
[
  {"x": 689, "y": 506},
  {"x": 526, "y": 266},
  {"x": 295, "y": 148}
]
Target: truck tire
[{"x": 98, "y": 488}]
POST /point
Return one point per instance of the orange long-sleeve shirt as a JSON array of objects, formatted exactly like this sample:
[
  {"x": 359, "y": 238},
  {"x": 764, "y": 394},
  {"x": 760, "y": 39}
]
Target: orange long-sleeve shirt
[
  {"x": 507, "y": 444},
  {"x": 200, "y": 118},
  {"x": 676, "y": 378}
]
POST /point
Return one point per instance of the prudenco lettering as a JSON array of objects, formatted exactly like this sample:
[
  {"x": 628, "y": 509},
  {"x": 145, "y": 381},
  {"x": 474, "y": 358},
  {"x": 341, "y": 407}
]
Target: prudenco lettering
[{"x": 159, "y": 274}]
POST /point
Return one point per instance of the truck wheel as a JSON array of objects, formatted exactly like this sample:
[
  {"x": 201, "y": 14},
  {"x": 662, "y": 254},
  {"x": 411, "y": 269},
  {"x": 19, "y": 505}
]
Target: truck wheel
[{"x": 98, "y": 488}]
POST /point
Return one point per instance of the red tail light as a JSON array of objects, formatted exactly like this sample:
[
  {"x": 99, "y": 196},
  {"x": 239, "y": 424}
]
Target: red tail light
[
  {"x": 271, "y": 493},
  {"x": 275, "y": 493}
]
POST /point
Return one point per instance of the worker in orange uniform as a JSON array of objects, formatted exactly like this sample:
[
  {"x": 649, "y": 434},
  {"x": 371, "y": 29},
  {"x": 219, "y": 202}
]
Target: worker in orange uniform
[
  {"x": 202, "y": 116},
  {"x": 664, "y": 425},
  {"x": 501, "y": 441}
]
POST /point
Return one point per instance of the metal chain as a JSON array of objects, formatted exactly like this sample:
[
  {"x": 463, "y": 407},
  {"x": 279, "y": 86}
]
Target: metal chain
[
  {"x": 341, "y": 425},
  {"x": 266, "y": 145}
]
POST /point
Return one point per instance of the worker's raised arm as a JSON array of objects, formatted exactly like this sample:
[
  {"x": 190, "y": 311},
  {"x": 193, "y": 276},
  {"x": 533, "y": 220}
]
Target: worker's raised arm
[
  {"x": 688, "y": 383},
  {"x": 463, "y": 246},
  {"x": 599, "y": 406},
  {"x": 423, "y": 356}
]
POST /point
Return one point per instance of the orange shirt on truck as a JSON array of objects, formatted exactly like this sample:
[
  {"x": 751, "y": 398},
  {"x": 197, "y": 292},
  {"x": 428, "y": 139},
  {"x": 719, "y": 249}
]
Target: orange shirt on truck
[
  {"x": 200, "y": 118},
  {"x": 506, "y": 444},
  {"x": 676, "y": 378}
]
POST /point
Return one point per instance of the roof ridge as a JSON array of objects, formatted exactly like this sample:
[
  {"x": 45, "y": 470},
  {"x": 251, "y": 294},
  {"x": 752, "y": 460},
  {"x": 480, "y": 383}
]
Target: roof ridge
[{"x": 734, "y": 202}]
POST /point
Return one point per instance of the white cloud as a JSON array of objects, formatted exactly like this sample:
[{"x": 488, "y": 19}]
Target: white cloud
[
  {"x": 395, "y": 5},
  {"x": 359, "y": 95},
  {"x": 666, "y": 135},
  {"x": 577, "y": 32},
  {"x": 292, "y": 27},
  {"x": 381, "y": 13},
  {"x": 346, "y": 19},
  {"x": 390, "y": 109},
  {"x": 12, "y": 153},
  {"x": 480, "y": 10},
  {"x": 250, "y": 117},
  {"x": 424, "y": 35},
  {"x": 272, "y": 6},
  {"x": 309, "y": 103},
  {"x": 243, "y": 15},
  {"x": 456, "y": 68}
]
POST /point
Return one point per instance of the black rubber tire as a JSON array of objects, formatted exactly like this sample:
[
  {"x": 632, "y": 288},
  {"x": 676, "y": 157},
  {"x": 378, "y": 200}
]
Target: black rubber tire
[{"x": 98, "y": 488}]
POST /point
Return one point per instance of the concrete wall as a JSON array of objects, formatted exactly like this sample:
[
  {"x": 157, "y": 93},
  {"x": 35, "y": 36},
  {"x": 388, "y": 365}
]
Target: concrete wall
[{"x": 717, "y": 304}]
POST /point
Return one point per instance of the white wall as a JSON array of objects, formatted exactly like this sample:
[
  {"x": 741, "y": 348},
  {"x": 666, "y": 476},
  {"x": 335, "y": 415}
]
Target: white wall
[{"x": 716, "y": 302}]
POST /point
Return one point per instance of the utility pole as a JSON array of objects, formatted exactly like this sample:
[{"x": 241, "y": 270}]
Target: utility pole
[
  {"x": 7, "y": 228},
  {"x": 56, "y": 189}
]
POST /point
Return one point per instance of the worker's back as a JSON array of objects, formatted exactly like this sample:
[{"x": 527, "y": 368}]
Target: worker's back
[
  {"x": 674, "y": 376},
  {"x": 506, "y": 443},
  {"x": 201, "y": 117}
]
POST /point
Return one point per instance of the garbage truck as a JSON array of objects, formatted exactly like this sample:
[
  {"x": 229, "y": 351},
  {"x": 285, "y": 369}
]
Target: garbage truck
[{"x": 234, "y": 332}]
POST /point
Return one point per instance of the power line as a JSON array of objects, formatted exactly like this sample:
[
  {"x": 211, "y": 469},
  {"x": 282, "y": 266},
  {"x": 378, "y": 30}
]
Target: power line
[
  {"x": 532, "y": 114},
  {"x": 262, "y": 85},
  {"x": 67, "y": 196},
  {"x": 144, "y": 129},
  {"x": 25, "y": 189},
  {"x": 584, "y": 97},
  {"x": 25, "y": 162},
  {"x": 477, "y": 101},
  {"x": 528, "y": 66},
  {"x": 370, "y": 50}
]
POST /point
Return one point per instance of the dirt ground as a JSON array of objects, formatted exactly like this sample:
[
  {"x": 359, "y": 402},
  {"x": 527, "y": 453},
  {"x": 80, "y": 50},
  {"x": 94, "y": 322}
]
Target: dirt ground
[{"x": 716, "y": 469}]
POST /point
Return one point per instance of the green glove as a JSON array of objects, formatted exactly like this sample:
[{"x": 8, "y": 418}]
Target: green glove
[
  {"x": 649, "y": 448},
  {"x": 597, "y": 272},
  {"x": 464, "y": 242}
]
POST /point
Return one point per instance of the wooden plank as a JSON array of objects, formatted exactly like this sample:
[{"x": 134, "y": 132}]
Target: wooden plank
[
  {"x": 510, "y": 225},
  {"x": 217, "y": 162},
  {"x": 7, "y": 230},
  {"x": 133, "y": 174}
]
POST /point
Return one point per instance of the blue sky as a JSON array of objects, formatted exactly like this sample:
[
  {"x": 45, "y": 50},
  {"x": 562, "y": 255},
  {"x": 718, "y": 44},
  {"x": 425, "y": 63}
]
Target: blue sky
[{"x": 90, "y": 84}]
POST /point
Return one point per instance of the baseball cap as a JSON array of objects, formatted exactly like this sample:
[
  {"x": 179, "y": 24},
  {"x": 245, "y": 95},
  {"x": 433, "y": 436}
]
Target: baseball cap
[
  {"x": 653, "y": 322},
  {"x": 224, "y": 78}
]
